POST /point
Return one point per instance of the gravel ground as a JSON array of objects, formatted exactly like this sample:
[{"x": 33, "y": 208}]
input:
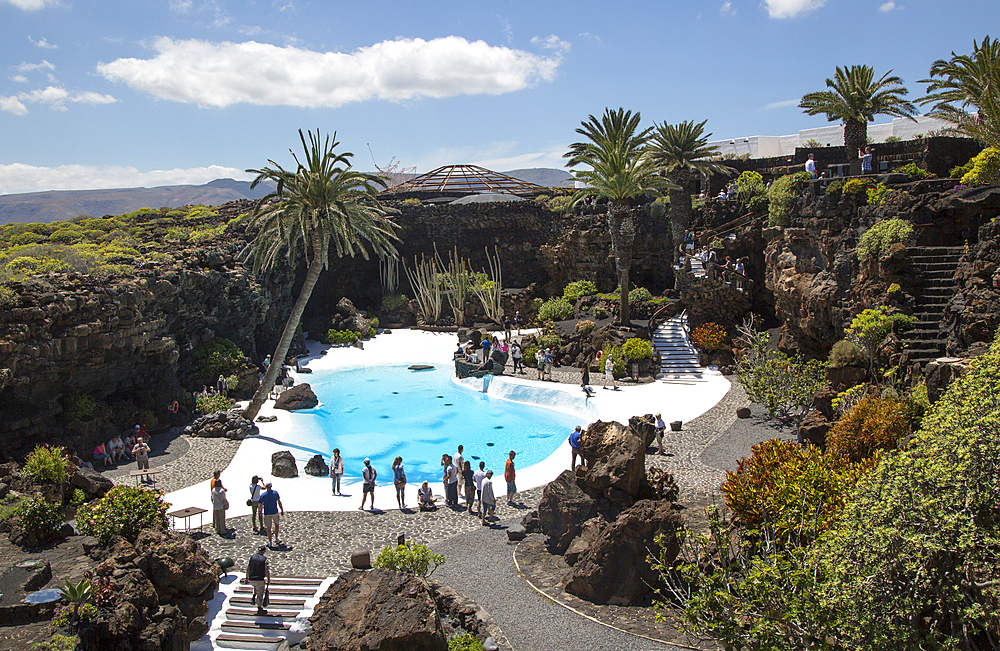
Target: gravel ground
[{"x": 185, "y": 460}]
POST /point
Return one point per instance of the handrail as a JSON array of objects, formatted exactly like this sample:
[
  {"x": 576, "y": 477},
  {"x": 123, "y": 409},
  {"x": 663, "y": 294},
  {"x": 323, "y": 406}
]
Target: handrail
[
  {"x": 739, "y": 221},
  {"x": 654, "y": 320}
]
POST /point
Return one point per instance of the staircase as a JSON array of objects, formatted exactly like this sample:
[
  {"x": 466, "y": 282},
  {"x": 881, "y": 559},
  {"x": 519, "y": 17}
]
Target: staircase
[
  {"x": 678, "y": 358},
  {"x": 936, "y": 265},
  {"x": 292, "y": 599}
]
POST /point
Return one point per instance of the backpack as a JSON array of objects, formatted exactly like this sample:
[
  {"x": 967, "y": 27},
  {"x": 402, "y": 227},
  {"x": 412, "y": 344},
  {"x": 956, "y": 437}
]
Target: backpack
[{"x": 256, "y": 568}]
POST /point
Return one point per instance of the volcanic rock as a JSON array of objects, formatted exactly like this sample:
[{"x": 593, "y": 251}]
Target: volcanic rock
[
  {"x": 564, "y": 507},
  {"x": 317, "y": 466},
  {"x": 228, "y": 424},
  {"x": 283, "y": 465},
  {"x": 616, "y": 460},
  {"x": 298, "y": 397},
  {"x": 92, "y": 482}
]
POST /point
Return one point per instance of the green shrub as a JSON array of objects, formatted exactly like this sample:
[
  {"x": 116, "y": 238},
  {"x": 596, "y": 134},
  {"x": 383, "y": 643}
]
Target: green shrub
[
  {"x": 716, "y": 243},
  {"x": 835, "y": 187},
  {"x": 600, "y": 312},
  {"x": 749, "y": 185},
  {"x": 872, "y": 326},
  {"x": 528, "y": 355},
  {"x": 893, "y": 288},
  {"x": 579, "y": 288},
  {"x": 206, "y": 233},
  {"x": 160, "y": 257},
  {"x": 893, "y": 139},
  {"x": 79, "y": 497},
  {"x": 782, "y": 196},
  {"x": 412, "y": 558},
  {"x": 658, "y": 209},
  {"x": 66, "y": 235},
  {"x": 639, "y": 295},
  {"x": 664, "y": 485},
  {"x": 57, "y": 642},
  {"x": 621, "y": 363},
  {"x": 876, "y": 194},
  {"x": 8, "y": 297},
  {"x": 549, "y": 340},
  {"x": 105, "y": 272},
  {"x": 985, "y": 168},
  {"x": 26, "y": 238},
  {"x": 555, "y": 309},
  {"x": 47, "y": 465},
  {"x": 760, "y": 203},
  {"x": 709, "y": 336},
  {"x": 911, "y": 563},
  {"x": 177, "y": 234},
  {"x": 217, "y": 356},
  {"x": 959, "y": 171},
  {"x": 212, "y": 404},
  {"x": 412, "y": 201},
  {"x": 39, "y": 517},
  {"x": 873, "y": 424},
  {"x": 586, "y": 326},
  {"x": 915, "y": 172},
  {"x": 879, "y": 237},
  {"x": 855, "y": 187},
  {"x": 467, "y": 642},
  {"x": 560, "y": 204},
  {"x": 337, "y": 337},
  {"x": 124, "y": 511},
  {"x": 393, "y": 302},
  {"x": 844, "y": 353},
  {"x": 78, "y": 405},
  {"x": 636, "y": 348}
]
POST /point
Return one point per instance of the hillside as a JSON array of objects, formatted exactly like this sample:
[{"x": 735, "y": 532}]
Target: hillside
[{"x": 547, "y": 176}]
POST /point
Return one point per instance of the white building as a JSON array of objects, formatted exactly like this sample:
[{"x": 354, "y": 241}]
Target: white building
[{"x": 833, "y": 136}]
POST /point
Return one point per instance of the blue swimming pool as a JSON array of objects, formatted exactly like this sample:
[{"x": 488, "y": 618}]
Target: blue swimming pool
[{"x": 382, "y": 412}]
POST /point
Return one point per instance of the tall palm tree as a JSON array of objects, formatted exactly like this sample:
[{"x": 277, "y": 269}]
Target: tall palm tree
[
  {"x": 619, "y": 171},
  {"x": 682, "y": 151},
  {"x": 856, "y": 98},
  {"x": 968, "y": 82},
  {"x": 320, "y": 207}
]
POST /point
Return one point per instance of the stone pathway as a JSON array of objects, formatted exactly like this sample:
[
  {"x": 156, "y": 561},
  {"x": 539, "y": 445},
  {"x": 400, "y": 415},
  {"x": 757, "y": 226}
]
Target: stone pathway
[{"x": 185, "y": 460}]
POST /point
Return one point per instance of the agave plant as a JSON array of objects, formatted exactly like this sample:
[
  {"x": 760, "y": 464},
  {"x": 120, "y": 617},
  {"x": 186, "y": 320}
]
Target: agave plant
[{"x": 77, "y": 594}]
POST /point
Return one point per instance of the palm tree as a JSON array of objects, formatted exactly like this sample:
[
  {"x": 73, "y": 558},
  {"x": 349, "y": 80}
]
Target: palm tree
[
  {"x": 856, "y": 98},
  {"x": 682, "y": 151},
  {"x": 619, "y": 171},
  {"x": 968, "y": 81},
  {"x": 322, "y": 205}
]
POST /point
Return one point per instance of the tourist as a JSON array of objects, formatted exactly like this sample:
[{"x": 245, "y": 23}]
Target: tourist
[
  {"x": 488, "y": 502},
  {"x": 451, "y": 483},
  {"x": 256, "y": 510},
  {"x": 661, "y": 427},
  {"x": 336, "y": 471},
  {"x": 549, "y": 359},
  {"x": 399, "y": 481},
  {"x": 216, "y": 480},
  {"x": 141, "y": 452},
  {"x": 722, "y": 195},
  {"x": 270, "y": 502},
  {"x": 129, "y": 441},
  {"x": 425, "y": 498},
  {"x": 221, "y": 386},
  {"x": 508, "y": 475},
  {"x": 78, "y": 462},
  {"x": 478, "y": 478},
  {"x": 515, "y": 354},
  {"x": 459, "y": 466},
  {"x": 259, "y": 576},
  {"x": 575, "y": 446},
  {"x": 741, "y": 270},
  {"x": 368, "y": 475},
  {"x": 219, "y": 506},
  {"x": 267, "y": 363},
  {"x": 540, "y": 364},
  {"x": 101, "y": 454},
  {"x": 811, "y": 165},
  {"x": 689, "y": 239},
  {"x": 470, "y": 485},
  {"x": 486, "y": 349},
  {"x": 506, "y": 328},
  {"x": 866, "y": 160},
  {"x": 585, "y": 377},
  {"x": 518, "y": 320},
  {"x": 460, "y": 352},
  {"x": 115, "y": 448},
  {"x": 609, "y": 372}
]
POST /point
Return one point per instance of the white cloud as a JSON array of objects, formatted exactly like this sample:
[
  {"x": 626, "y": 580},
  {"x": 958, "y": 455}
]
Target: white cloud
[
  {"x": 181, "y": 6},
  {"x": 21, "y": 79},
  {"x": 222, "y": 74},
  {"x": 551, "y": 42},
  {"x": 18, "y": 177},
  {"x": 29, "y": 67},
  {"x": 791, "y": 8},
  {"x": 32, "y": 5},
  {"x": 886, "y": 7},
  {"x": 55, "y": 97},
  {"x": 727, "y": 8},
  {"x": 42, "y": 43},
  {"x": 782, "y": 104},
  {"x": 498, "y": 156},
  {"x": 90, "y": 97},
  {"x": 591, "y": 36},
  {"x": 12, "y": 105}
]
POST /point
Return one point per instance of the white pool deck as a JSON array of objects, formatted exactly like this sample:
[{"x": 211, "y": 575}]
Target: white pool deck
[{"x": 307, "y": 493}]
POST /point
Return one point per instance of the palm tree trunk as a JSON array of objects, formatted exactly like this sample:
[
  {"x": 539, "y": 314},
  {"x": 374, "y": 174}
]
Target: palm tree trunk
[
  {"x": 621, "y": 226},
  {"x": 855, "y": 137},
  {"x": 285, "y": 342},
  {"x": 680, "y": 212}
]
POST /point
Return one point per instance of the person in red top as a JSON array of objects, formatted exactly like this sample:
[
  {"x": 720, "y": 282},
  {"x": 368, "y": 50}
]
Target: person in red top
[{"x": 508, "y": 474}]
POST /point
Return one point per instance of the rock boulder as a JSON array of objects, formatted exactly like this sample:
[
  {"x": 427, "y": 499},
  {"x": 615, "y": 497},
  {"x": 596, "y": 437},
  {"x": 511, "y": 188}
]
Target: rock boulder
[
  {"x": 283, "y": 465},
  {"x": 564, "y": 507},
  {"x": 92, "y": 482},
  {"x": 298, "y": 397},
  {"x": 228, "y": 424},
  {"x": 616, "y": 460},
  {"x": 317, "y": 466}
]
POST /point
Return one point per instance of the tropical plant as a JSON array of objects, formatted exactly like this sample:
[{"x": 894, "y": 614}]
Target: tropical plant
[
  {"x": 882, "y": 235},
  {"x": 870, "y": 328},
  {"x": 39, "y": 517},
  {"x": 855, "y": 98},
  {"x": 985, "y": 168},
  {"x": 409, "y": 557},
  {"x": 455, "y": 278},
  {"x": 782, "y": 196},
  {"x": 124, "y": 511},
  {"x": 914, "y": 171},
  {"x": 323, "y": 205},
  {"x": 965, "y": 92},
  {"x": 77, "y": 594},
  {"x": 47, "y": 464},
  {"x": 682, "y": 151},
  {"x": 467, "y": 642},
  {"x": 876, "y": 194},
  {"x": 213, "y": 403},
  {"x": 585, "y": 326},
  {"x": 578, "y": 289},
  {"x": 749, "y": 185},
  {"x": 664, "y": 485},
  {"x": 555, "y": 309},
  {"x": 635, "y": 348},
  {"x": 619, "y": 171},
  {"x": 709, "y": 336},
  {"x": 217, "y": 356}
]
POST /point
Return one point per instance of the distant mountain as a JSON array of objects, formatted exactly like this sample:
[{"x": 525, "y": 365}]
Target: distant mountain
[
  {"x": 61, "y": 205},
  {"x": 545, "y": 176}
]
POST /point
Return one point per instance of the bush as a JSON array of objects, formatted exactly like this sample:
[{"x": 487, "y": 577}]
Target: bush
[
  {"x": 844, "y": 353},
  {"x": 560, "y": 204},
  {"x": 66, "y": 235},
  {"x": 39, "y": 517},
  {"x": 959, "y": 171},
  {"x": 528, "y": 355},
  {"x": 639, "y": 295},
  {"x": 621, "y": 363},
  {"x": 873, "y": 424},
  {"x": 47, "y": 465},
  {"x": 217, "y": 356},
  {"x": 57, "y": 642},
  {"x": 78, "y": 406},
  {"x": 579, "y": 288},
  {"x": 879, "y": 237},
  {"x": 636, "y": 348},
  {"x": 79, "y": 497},
  {"x": 709, "y": 336},
  {"x": 834, "y": 188},
  {"x": 985, "y": 168},
  {"x": 412, "y": 201},
  {"x": 782, "y": 196},
  {"x": 409, "y": 557},
  {"x": 26, "y": 238},
  {"x": 915, "y": 172},
  {"x": 555, "y": 309},
  {"x": 912, "y": 561},
  {"x": 8, "y": 297},
  {"x": 394, "y": 302},
  {"x": 467, "y": 642},
  {"x": 664, "y": 485},
  {"x": 337, "y": 337},
  {"x": 585, "y": 326},
  {"x": 549, "y": 340},
  {"x": 876, "y": 194},
  {"x": 749, "y": 185},
  {"x": 855, "y": 187},
  {"x": 124, "y": 511},
  {"x": 760, "y": 203},
  {"x": 600, "y": 312},
  {"x": 212, "y": 404},
  {"x": 893, "y": 288}
]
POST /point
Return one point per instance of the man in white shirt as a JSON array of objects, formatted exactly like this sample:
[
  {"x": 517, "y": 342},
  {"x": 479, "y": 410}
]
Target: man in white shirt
[
  {"x": 451, "y": 483},
  {"x": 811, "y": 165},
  {"x": 459, "y": 465},
  {"x": 478, "y": 478}
]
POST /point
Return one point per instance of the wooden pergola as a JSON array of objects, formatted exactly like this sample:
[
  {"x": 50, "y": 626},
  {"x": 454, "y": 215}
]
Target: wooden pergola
[{"x": 467, "y": 179}]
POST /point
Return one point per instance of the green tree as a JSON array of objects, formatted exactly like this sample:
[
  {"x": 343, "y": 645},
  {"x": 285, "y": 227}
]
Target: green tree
[
  {"x": 321, "y": 206},
  {"x": 855, "y": 97},
  {"x": 619, "y": 171},
  {"x": 682, "y": 151},
  {"x": 964, "y": 82}
]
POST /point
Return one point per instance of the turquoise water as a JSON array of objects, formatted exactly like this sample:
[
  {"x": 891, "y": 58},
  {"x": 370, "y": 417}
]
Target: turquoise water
[{"x": 387, "y": 411}]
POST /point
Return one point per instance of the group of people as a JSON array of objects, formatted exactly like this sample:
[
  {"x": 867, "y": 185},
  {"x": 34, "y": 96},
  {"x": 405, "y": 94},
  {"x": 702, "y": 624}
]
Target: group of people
[{"x": 133, "y": 445}]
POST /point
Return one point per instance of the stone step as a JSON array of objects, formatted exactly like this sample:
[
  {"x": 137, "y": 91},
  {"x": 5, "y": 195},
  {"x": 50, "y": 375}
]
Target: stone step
[
  {"x": 251, "y": 613},
  {"x": 281, "y": 591},
  {"x": 941, "y": 283},
  {"x": 938, "y": 291},
  {"x": 296, "y": 581},
  {"x": 234, "y": 641},
  {"x": 275, "y": 601},
  {"x": 256, "y": 625}
]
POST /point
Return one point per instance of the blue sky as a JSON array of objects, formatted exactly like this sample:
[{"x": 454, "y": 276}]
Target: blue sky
[{"x": 118, "y": 94}]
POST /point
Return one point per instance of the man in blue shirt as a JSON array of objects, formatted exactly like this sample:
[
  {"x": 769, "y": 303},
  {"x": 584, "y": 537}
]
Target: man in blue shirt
[
  {"x": 574, "y": 446},
  {"x": 486, "y": 349},
  {"x": 270, "y": 502}
]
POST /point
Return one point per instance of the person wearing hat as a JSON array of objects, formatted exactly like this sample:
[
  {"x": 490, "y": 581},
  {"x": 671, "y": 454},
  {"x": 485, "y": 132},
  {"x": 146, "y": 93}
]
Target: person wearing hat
[
  {"x": 141, "y": 452},
  {"x": 368, "y": 485},
  {"x": 270, "y": 502},
  {"x": 259, "y": 576}
]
